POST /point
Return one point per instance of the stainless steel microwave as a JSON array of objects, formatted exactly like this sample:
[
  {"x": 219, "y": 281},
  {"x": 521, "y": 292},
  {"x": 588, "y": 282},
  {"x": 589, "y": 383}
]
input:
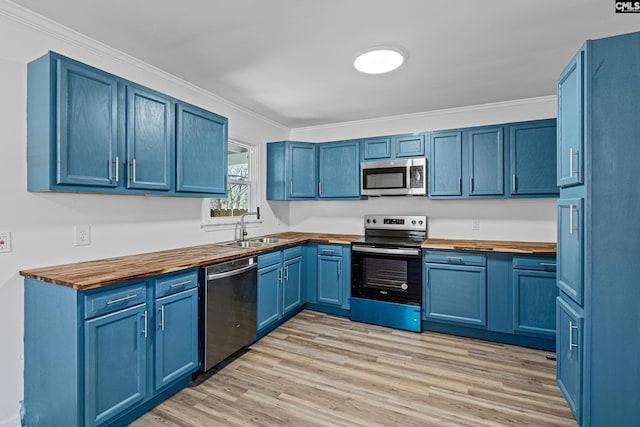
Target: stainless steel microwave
[{"x": 407, "y": 177}]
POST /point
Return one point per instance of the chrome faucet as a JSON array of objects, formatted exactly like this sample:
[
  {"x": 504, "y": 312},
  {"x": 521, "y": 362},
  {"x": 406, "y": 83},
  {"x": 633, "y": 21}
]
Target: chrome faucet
[{"x": 243, "y": 226}]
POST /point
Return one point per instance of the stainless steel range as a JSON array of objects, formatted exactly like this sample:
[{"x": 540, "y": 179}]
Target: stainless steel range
[{"x": 386, "y": 271}]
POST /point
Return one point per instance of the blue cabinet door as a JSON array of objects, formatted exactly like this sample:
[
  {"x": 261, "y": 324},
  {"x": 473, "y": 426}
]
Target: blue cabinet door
[
  {"x": 292, "y": 288},
  {"x": 571, "y": 123},
  {"x": 87, "y": 126},
  {"x": 409, "y": 146},
  {"x": 456, "y": 294},
  {"x": 570, "y": 247},
  {"x": 534, "y": 302},
  {"x": 302, "y": 171},
  {"x": 339, "y": 170},
  {"x": 569, "y": 355},
  {"x": 533, "y": 151},
  {"x": 201, "y": 151},
  {"x": 486, "y": 162},
  {"x": 376, "y": 148},
  {"x": 269, "y": 303},
  {"x": 115, "y": 363},
  {"x": 149, "y": 140},
  {"x": 330, "y": 280},
  {"x": 176, "y": 340},
  {"x": 445, "y": 164}
]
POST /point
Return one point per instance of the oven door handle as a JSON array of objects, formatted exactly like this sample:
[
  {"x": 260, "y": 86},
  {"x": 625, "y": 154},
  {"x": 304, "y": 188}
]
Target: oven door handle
[{"x": 386, "y": 251}]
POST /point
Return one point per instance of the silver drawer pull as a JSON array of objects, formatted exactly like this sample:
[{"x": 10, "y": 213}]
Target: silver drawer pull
[
  {"x": 175, "y": 285},
  {"x": 455, "y": 258},
  {"x": 548, "y": 264},
  {"x": 571, "y": 328},
  {"x": 123, "y": 299}
]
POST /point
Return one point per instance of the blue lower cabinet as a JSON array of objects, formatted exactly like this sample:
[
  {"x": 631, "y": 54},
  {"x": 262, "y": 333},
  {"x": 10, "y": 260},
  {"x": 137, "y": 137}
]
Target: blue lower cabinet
[
  {"x": 569, "y": 353},
  {"x": 279, "y": 287},
  {"x": 107, "y": 355},
  {"x": 457, "y": 294},
  {"x": 176, "y": 346},
  {"x": 329, "y": 286},
  {"x": 115, "y": 363},
  {"x": 534, "y": 295}
]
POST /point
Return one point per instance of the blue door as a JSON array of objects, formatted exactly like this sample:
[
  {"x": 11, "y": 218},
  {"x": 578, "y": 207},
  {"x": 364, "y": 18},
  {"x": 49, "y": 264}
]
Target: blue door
[
  {"x": 201, "y": 151},
  {"x": 302, "y": 171},
  {"x": 570, "y": 123},
  {"x": 569, "y": 355},
  {"x": 570, "y": 247},
  {"x": 445, "y": 164},
  {"x": 291, "y": 294},
  {"x": 409, "y": 146},
  {"x": 269, "y": 295},
  {"x": 176, "y": 342},
  {"x": 534, "y": 302},
  {"x": 87, "y": 127},
  {"x": 486, "y": 162},
  {"x": 149, "y": 140},
  {"x": 456, "y": 294},
  {"x": 339, "y": 169},
  {"x": 533, "y": 153},
  {"x": 376, "y": 148},
  {"x": 329, "y": 280},
  {"x": 115, "y": 363}
]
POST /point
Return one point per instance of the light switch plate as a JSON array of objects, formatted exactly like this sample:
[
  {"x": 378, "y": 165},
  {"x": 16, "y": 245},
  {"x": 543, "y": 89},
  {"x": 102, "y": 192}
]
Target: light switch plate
[
  {"x": 5, "y": 241},
  {"x": 82, "y": 235}
]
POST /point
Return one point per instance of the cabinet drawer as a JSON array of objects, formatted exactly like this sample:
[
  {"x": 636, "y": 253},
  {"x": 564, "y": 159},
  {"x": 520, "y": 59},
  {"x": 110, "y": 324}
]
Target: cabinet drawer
[
  {"x": 330, "y": 250},
  {"x": 113, "y": 300},
  {"x": 534, "y": 263},
  {"x": 460, "y": 258},
  {"x": 167, "y": 285},
  {"x": 293, "y": 252},
  {"x": 269, "y": 259}
]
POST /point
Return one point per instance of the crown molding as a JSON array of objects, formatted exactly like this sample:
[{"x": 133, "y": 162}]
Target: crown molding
[
  {"x": 36, "y": 22},
  {"x": 434, "y": 113}
]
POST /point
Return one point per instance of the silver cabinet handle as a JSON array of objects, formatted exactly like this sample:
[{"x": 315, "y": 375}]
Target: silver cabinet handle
[
  {"x": 455, "y": 258},
  {"x": 460, "y": 185},
  {"x": 570, "y": 219},
  {"x": 548, "y": 264},
  {"x": 339, "y": 265},
  {"x": 117, "y": 168},
  {"x": 319, "y": 189},
  {"x": 328, "y": 250},
  {"x": 145, "y": 324},
  {"x": 279, "y": 274},
  {"x": 571, "y": 328},
  {"x": 123, "y": 299},
  {"x": 570, "y": 161},
  {"x": 290, "y": 188},
  {"x": 133, "y": 166},
  {"x": 286, "y": 273},
  {"x": 470, "y": 184},
  {"x": 513, "y": 182},
  {"x": 162, "y": 317},
  {"x": 175, "y": 285}
]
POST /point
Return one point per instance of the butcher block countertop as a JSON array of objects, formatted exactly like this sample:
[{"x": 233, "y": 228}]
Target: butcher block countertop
[
  {"x": 94, "y": 274},
  {"x": 491, "y": 246}
]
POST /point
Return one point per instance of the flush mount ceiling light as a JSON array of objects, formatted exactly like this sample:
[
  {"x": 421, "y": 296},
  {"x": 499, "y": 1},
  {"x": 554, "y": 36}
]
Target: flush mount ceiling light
[{"x": 379, "y": 60}]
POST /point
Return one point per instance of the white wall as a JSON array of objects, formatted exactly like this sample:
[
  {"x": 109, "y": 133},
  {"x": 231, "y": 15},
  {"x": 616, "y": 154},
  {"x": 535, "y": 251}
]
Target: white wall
[
  {"x": 509, "y": 219},
  {"x": 42, "y": 223}
]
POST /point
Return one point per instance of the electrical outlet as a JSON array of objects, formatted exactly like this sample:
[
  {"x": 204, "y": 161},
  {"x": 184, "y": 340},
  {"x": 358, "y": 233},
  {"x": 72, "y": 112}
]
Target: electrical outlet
[
  {"x": 475, "y": 226},
  {"x": 5, "y": 241},
  {"x": 83, "y": 235}
]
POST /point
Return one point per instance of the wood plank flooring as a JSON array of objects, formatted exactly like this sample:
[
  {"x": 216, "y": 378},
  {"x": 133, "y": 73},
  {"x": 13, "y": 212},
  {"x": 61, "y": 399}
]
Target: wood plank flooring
[{"x": 321, "y": 370}]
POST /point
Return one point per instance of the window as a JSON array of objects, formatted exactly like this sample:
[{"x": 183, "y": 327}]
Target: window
[{"x": 241, "y": 189}]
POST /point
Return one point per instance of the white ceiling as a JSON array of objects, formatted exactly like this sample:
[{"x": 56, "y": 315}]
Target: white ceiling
[{"x": 291, "y": 60}]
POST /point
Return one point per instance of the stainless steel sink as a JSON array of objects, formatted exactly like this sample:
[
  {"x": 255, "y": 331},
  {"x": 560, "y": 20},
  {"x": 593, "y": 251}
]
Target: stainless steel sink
[{"x": 256, "y": 242}]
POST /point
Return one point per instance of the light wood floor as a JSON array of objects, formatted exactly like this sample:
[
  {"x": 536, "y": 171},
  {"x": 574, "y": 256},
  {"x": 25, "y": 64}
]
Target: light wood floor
[{"x": 320, "y": 370}]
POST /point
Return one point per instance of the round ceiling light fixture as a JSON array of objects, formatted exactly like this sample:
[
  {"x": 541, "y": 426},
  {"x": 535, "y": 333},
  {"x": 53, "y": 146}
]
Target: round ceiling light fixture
[{"x": 379, "y": 60}]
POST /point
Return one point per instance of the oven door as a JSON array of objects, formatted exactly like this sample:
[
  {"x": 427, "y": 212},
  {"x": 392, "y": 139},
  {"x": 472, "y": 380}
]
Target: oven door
[{"x": 386, "y": 274}]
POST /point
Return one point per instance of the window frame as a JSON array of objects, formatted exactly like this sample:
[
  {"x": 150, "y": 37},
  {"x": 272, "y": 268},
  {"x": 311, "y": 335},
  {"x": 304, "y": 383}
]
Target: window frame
[{"x": 254, "y": 193}]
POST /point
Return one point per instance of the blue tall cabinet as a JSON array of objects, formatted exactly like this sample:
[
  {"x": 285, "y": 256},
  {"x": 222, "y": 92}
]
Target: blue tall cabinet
[{"x": 598, "y": 368}]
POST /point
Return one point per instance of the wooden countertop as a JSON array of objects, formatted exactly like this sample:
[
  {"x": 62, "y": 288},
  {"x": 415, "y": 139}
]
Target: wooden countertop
[
  {"x": 94, "y": 274},
  {"x": 491, "y": 246}
]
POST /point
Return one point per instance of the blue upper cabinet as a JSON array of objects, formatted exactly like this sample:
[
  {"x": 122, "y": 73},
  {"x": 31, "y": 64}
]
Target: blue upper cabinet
[
  {"x": 91, "y": 131},
  {"x": 149, "y": 161},
  {"x": 302, "y": 171},
  {"x": 486, "y": 162},
  {"x": 201, "y": 151},
  {"x": 445, "y": 164},
  {"x": 392, "y": 147},
  {"x": 532, "y": 148},
  {"x": 571, "y": 122},
  {"x": 338, "y": 170},
  {"x": 72, "y": 113}
]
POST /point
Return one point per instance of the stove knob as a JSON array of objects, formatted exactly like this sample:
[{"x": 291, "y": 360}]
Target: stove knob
[
  {"x": 368, "y": 220},
  {"x": 413, "y": 222},
  {"x": 420, "y": 222},
  {"x": 375, "y": 220}
]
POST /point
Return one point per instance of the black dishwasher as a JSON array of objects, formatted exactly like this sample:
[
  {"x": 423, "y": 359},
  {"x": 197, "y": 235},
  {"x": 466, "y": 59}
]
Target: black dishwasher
[{"x": 227, "y": 309}]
